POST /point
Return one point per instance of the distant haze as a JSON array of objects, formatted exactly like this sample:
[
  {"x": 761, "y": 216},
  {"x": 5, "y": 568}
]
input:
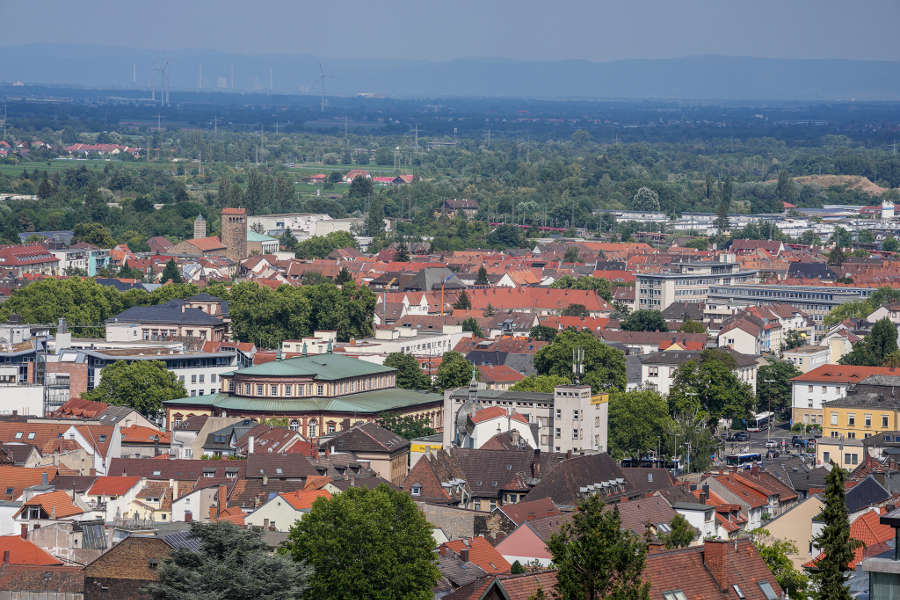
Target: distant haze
[{"x": 594, "y": 30}]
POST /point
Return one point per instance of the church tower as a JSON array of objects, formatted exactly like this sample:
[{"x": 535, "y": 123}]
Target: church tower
[{"x": 234, "y": 233}]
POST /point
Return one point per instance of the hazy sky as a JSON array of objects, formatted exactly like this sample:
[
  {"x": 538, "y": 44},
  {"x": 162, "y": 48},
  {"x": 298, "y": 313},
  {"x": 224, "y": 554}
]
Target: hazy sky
[{"x": 444, "y": 29}]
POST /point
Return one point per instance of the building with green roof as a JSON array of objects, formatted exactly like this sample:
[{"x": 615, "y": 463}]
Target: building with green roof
[
  {"x": 257, "y": 243},
  {"x": 317, "y": 394}
]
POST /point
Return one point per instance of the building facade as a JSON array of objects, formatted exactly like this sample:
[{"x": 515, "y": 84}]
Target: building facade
[
  {"x": 234, "y": 233},
  {"x": 686, "y": 282}
]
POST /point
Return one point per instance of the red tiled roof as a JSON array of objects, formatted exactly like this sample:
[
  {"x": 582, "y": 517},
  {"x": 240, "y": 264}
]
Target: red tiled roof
[
  {"x": 304, "y": 499},
  {"x": 481, "y": 553},
  {"x": 842, "y": 374},
  {"x": 23, "y": 552},
  {"x": 112, "y": 486},
  {"x": 499, "y": 374},
  {"x": 234, "y": 211},
  {"x": 138, "y": 434},
  {"x": 57, "y": 504},
  {"x": 494, "y": 412},
  {"x": 78, "y": 407},
  {"x": 208, "y": 243},
  {"x": 530, "y": 510},
  {"x": 536, "y": 298}
]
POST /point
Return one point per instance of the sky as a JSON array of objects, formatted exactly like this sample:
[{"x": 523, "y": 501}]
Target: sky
[{"x": 597, "y": 30}]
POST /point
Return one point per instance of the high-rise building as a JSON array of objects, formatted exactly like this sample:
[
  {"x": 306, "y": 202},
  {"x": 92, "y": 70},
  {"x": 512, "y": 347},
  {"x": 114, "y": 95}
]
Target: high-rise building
[
  {"x": 234, "y": 233},
  {"x": 199, "y": 227}
]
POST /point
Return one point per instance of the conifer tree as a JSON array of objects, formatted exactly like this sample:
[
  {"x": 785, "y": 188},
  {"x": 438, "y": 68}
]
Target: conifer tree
[
  {"x": 482, "y": 278},
  {"x": 834, "y": 542}
]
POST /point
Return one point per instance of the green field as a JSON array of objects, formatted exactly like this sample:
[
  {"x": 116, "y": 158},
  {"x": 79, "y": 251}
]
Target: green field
[{"x": 53, "y": 166}]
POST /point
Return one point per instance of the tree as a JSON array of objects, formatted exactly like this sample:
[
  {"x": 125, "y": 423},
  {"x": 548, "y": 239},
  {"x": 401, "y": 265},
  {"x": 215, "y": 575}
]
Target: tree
[
  {"x": 462, "y": 301},
  {"x": 287, "y": 242},
  {"x": 575, "y": 310},
  {"x": 681, "y": 534},
  {"x": 402, "y": 252},
  {"x": 409, "y": 374},
  {"x": 143, "y": 385},
  {"x": 516, "y": 568},
  {"x": 540, "y": 383},
  {"x": 794, "y": 339},
  {"x": 604, "y": 366},
  {"x": 232, "y": 563},
  {"x": 542, "y": 333},
  {"x": 773, "y": 386},
  {"x": 366, "y": 543},
  {"x": 836, "y": 256},
  {"x": 645, "y": 320},
  {"x": 319, "y": 246},
  {"x": 361, "y": 188},
  {"x": 375, "y": 217},
  {"x": 602, "y": 287},
  {"x": 596, "y": 558},
  {"x": 454, "y": 371},
  {"x": 343, "y": 276},
  {"x": 890, "y": 244},
  {"x": 784, "y": 189},
  {"x": 637, "y": 420},
  {"x": 645, "y": 199},
  {"x": 482, "y": 278},
  {"x": 93, "y": 233},
  {"x": 571, "y": 255},
  {"x": 872, "y": 350},
  {"x": 472, "y": 325},
  {"x": 691, "y": 326},
  {"x": 506, "y": 236},
  {"x": 830, "y": 574},
  {"x": 841, "y": 238},
  {"x": 171, "y": 272},
  {"x": 407, "y": 426},
  {"x": 776, "y": 554},
  {"x": 724, "y": 204},
  {"x": 709, "y": 384}
]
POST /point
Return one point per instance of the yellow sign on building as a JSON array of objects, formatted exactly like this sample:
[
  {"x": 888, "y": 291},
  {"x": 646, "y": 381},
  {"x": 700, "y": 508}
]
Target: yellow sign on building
[{"x": 599, "y": 398}]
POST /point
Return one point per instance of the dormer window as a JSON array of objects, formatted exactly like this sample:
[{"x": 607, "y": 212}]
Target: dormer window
[
  {"x": 416, "y": 490},
  {"x": 102, "y": 438},
  {"x": 30, "y": 435}
]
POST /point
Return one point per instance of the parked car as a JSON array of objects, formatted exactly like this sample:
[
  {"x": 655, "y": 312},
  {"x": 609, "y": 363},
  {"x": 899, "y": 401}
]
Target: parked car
[
  {"x": 740, "y": 436},
  {"x": 798, "y": 442},
  {"x": 771, "y": 443}
]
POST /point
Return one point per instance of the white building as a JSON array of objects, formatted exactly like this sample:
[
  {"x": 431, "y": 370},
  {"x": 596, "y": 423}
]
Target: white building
[
  {"x": 407, "y": 340},
  {"x": 807, "y": 358},
  {"x": 282, "y": 510},
  {"x": 810, "y": 391},
  {"x": 486, "y": 423},
  {"x": 658, "y": 369}
]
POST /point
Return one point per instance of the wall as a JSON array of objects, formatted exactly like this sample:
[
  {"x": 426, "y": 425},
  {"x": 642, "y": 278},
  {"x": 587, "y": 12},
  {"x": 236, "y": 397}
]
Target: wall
[
  {"x": 22, "y": 399},
  {"x": 276, "y": 511}
]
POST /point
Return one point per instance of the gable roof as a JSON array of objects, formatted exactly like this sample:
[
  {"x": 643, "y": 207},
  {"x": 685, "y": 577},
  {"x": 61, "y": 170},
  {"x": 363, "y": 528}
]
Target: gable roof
[
  {"x": 841, "y": 374},
  {"x": 562, "y": 484},
  {"x": 367, "y": 437},
  {"x": 304, "y": 499},
  {"x": 481, "y": 553},
  {"x": 56, "y": 505},
  {"x": 529, "y": 510},
  {"x": 14, "y": 480},
  {"x": 23, "y": 552},
  {"x": 112, "y": 486},
  {"x": 867, "y": 492}
]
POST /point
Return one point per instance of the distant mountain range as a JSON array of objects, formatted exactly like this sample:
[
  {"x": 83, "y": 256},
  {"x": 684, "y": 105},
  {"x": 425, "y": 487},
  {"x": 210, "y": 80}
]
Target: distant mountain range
[{"x": 690, "y": 78}]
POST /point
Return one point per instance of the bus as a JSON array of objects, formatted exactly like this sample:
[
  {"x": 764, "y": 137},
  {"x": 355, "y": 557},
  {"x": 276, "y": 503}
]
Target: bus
[
  {"x": 760, "y": 421},
  {"x": 741, "y": 460}
]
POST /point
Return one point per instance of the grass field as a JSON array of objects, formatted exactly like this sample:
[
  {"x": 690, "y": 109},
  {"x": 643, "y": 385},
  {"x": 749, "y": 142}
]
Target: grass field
[{"x": 53, "y": 166}]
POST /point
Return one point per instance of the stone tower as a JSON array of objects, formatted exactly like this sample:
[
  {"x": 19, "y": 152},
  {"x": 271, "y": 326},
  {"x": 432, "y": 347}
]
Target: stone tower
[
  {"x": 199, "y": 227},
  {"x": 234, "y": 233}
]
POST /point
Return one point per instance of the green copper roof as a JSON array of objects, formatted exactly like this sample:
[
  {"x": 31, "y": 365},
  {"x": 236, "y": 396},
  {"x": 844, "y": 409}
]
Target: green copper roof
[
  {"x": 324, "y": 367},
  {"x": 364, "y": 402},
  {"x": 252, "y": 236}
]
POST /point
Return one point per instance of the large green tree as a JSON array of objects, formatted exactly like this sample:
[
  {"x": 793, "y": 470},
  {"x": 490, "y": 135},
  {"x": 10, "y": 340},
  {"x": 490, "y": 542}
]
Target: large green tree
[
  {"x": 320, "y": 246},
  {"x": 873, "y": 350},
  {"x": 681, "y": 534},
  {"x": 777, "y": 556},
  {"x": 454, "y": 371},
  {"x": 366, "y": 543},
  {"x": 542, "y": 333},
  {"x": 171, "y": 272},
  {"x": 93, "y": 233},
  {"x": 406, "y": 426},
  {"x": 142, "y": 384},
  {"x": 409, "y": 374},
  {"x": 602, "y": 287},
  {"x": 233, "y": 563},
  {"x": 832, "y": 569},
  {"x": 773, "y": 386},
  {"x": 596, "y": 558},
  {"x": 604, "y": 366},
  {"x": 645, "y": 320},
  {"x": 710, "y": 384},
  {"x": 637, "y": 422}
]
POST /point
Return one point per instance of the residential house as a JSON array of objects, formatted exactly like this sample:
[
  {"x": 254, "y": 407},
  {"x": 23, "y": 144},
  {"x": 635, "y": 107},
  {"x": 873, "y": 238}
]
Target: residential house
[
  {"x": 482, "y": 425},
  {"x": 49, "y": 507},
  {"x": 868, "y": 408},
  {"x": 280, "y": 513},
  {"x": 208, "y": 246},
  {"x": 29, "y": 259},
  {"x": 171, "y": 320},
  {"x": 796, "y": 527},
  {"x": 499, "y": 377},
  {"x": 658, "y": 369},
  {"x": 112, "y": 496},
  {"x": 807, "y": 358},
  {"x": 812, "y": 390},
  {"x": 386, "y": 452},
  {"x": 478, "y": 551}
]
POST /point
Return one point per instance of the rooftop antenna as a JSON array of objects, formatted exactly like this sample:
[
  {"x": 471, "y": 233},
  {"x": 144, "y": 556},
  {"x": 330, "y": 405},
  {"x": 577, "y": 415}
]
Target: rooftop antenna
[
  {"x": 577, "y": 364},
  {"x": 324, "y": 102}
]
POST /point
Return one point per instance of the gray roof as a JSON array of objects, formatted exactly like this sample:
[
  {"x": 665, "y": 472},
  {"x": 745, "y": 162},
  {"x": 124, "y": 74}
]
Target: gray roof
[
  {"x": 679, "y": 357},
  {"x": 170, "y": 312},
  {"x": 183, "y": 539},
  {"x": 367, "y": 437}
]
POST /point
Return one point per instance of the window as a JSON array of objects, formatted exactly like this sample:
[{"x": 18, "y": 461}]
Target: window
[
  {"x": 850, "y": 459},
  {"x": 851, "y": 419},
  {"x": 320, "y": 389},
  {"x": 737, "y": 590},
  {"x": 194, "y": 378},
  {"x": 202, "y": 378},
  {"x": 558, "y": 433},
  {"x": 212, "y": 378},
  {"x": 826, "y": 456},
  {"x": 416, "y": 490},
  {"x": 288, "y": 389},
  {"x": 18, "y": 435},
  {"x": 767, "y": 590},
  {"x": 674, "y": 595},
  {"x": 295, "y": 425},
  {"x": 868, "y": 420},
  {"x": 574, "y": 434},
  {"x": 653, "y": 372},
  {"x": 884, "y": 420},
  {"x": 834, "y": 418},
  {"x": 810, "y": 389},
  {"x": 330, "y": 427},
  {"x": 559, "y": 413},
  {"x": 30, "y": 435},
  {"x": 273, "y": 390},
  {"x": 851, "y": 435},
  {"x": 576, "y": 415},
  {"x": 259, "y": 389},
  {"x": 810, "y": 403}
]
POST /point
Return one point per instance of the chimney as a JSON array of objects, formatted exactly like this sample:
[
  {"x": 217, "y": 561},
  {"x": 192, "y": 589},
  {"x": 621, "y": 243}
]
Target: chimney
[
  {"x": 464, "y": 554},
  {"x": 704, "y": 494},
  {"x": 44, "y": 480},
  {"x": 24, "y": 531},
  {"x": 251, "y": 444},
  {"x": 715, "y": 558}
]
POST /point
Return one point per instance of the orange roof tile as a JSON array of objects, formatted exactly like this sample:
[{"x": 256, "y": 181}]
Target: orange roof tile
[
  {"x": 112, "y": 486},
  {"x": 481, "y": 553},
  {"x": 304, "y": 499},
  {"x": 499, "y": 374},
  {"x": 842, "y": 373},
  {"x": 23, "y": 552},
  {"x": 13, "y": 480},
  {"x": 138, "y": 434},
  {"x": 57, "y": 505}
]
